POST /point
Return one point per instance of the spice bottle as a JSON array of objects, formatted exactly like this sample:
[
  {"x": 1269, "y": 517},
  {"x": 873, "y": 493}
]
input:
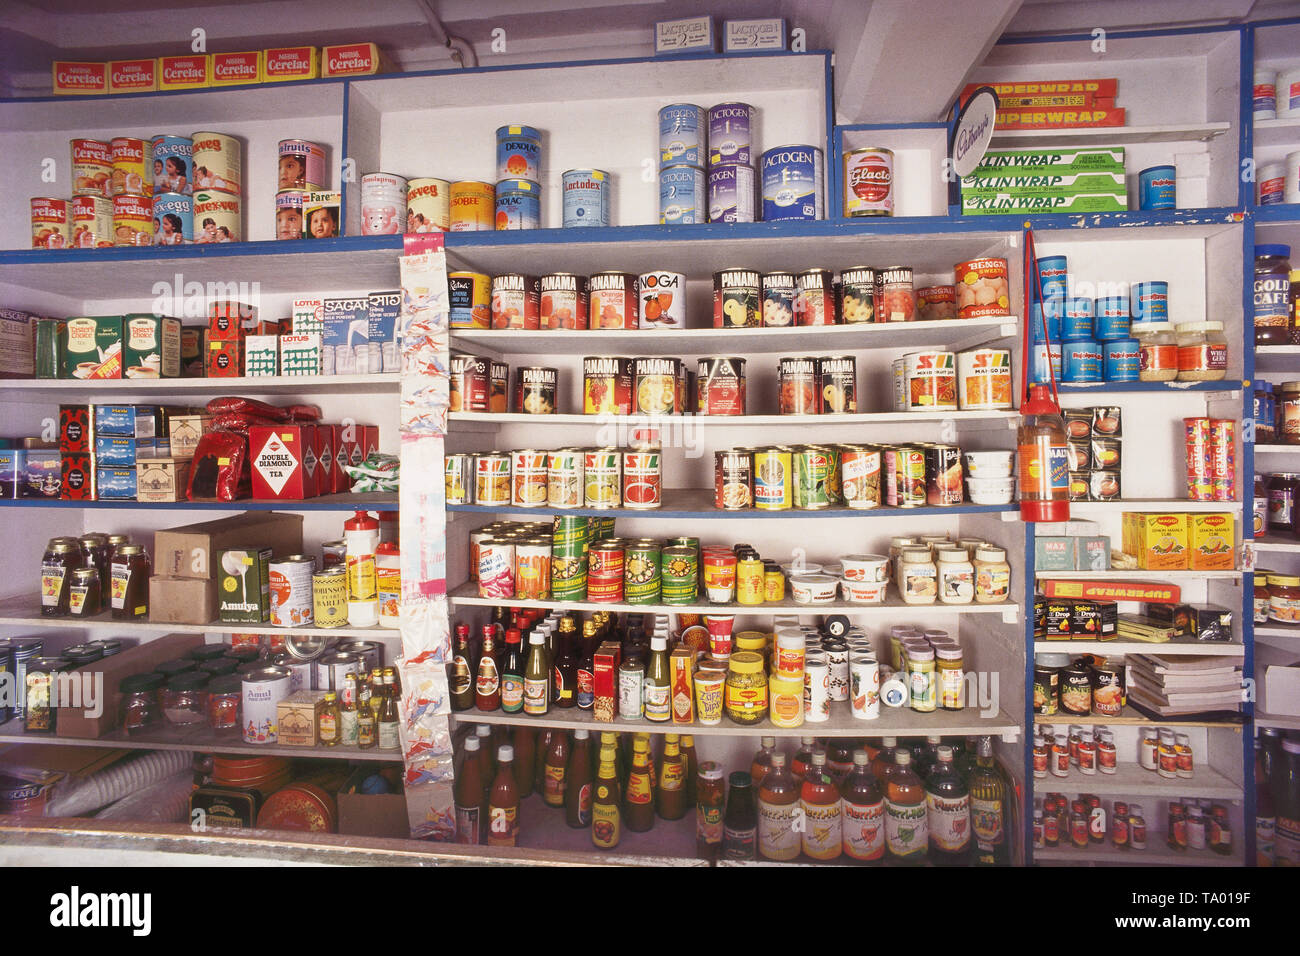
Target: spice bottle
[
  {"x": 709, "y": 803},
  {"x": 606, "y": 819},
  {"x": 1043, "y": 461}
]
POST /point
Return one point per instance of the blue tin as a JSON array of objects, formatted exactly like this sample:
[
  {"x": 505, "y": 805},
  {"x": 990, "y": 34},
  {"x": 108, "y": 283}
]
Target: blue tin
[
  {"x": 1051, "y": 269},
  {"x": 1149, "y": 301},
  {"x": 681, "y": 135},
  {"x": 115, "y": 484},
  {"x": 731, "y": 194},
  {"x": 681, "y": 196},
  {"x": 730, "y": 134},
  {"x": 1123, "y": 360},
  {"x": 1111, "y": 320},
  {"x": 519, "y": 204},
  {"x": 173, "y": 164},
  {"x": 586, "y": 197},
  {"x": 793, "y": 184},
  {"x": 1158, "y": 188},
  {"x": 1076, "y": 323},
  {"x": 519, "y": 153},
  {"x": 1081, "y": 362},
  {"x": 1053, "y": 310},
  {"x": 173, "y": 216},
  {"x": 1044, "y": 363}
]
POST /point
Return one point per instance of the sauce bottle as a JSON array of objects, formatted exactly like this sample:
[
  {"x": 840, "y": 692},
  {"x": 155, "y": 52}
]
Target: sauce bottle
[
  {"x": 487, "y": 677},
  {"x": 863, "y": 811},
  {"x": 639, "y": 810},
  {"x": 557, "y": 759},
  {"x": 740, "y": 825},
  {"x": 564, "y": 673},
  {"x": 462, "y": 676},
  {"x": 778, "y": 808},
  {"x": 803, "y": 757},
  {"x": 907, "y": 835},
  {"x": 762, "y": 762},
  {"x": 536, "y": 681},
  {"x": 512, "y": 674},
  {"x": 692, "y": 766},
  {"x": 670, "y": 794},
  {"x": 524, "y": 740},
  {"x": 819, "y": 798},
  {"x": 883, "y": 765},
  {"x": 577, "y": 782},
  {"x": 947, "y": 812},
  {"x": 709, "y": 801},
  {"x": 839, "y": 758},
  {"x": 606, "y": 819},
  {"x": 485, "y": 751},
  {"x": 543, "y": 745},
  {"x": 1043, "y": 459},
  {"x": 503, "y": 804},
  {"x": 469, "y": 797},
  {"x": 658, "y": 682}
]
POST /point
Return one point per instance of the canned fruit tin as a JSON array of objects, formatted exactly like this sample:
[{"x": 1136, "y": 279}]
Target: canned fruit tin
[
  {"x": 930, "y": 379},
  {"x": 289, "y": 205},
  {"x": 655, "y": 382},
  {"x": 857, "y": 295},
  {"x": 174, "y": 214},
  {"x": 731, "y": 194},
  {"x": 895, "y": 297},
  {"x": 564, "y": 301},
  {"x": 329, "y": 597},
  {"x": 302, "y": 165},
  {"x": 612, "y": 300},
  {"x": 92, "y": 167},
  {"x": 642, "y": 480},
  {"x": 519, "y": 153},
  {"x": 536, "y": 390},
  {"x": 51, "y": 223},
  {"x": 516, "y": 302},
  {"x": 92, "y": 222},
  {"x": 473, "y": 206},
  {"x": 984, "y": 379},
  {"x": 1150, "y": 301},
  {"x": 642, "y": 574},
  {"x": 518, "y": 204},
  {"x": 663, "y": 300},
  {"x": 793, "y": 184},
  {"x": 681, "y": 135},
  {"x": 132, "y": 220},
  {"x": 681, "y": 196},
  {"x": 837, "y": 381},
  {"x": 943, "y": 475},
  {"x": 428, "y": 206},
  {"x": 720, "y": 386},
  {"x": 733, "y": 480},
  {"x": 798, "y": 390},
  {"x": 982, "y": 288},
  {"x": 217, "y": 162},
  {"x": 607, "y": 385},
  {"x": 779, "y": 293},
  {"x": 492, "y": 480},
  {"x": 533, "y": 569},
  {"x": 909, "y": 476},
  {"x": 679, "y": 575},
  {"x": 469, "y": 386},
  {"x": 291, "y": 590},
  {"x": 586, "y": 197},
  {"x": 459, "y": 469},
  {"x": 216, "y": 217},
  {"x": 602, "y": 478},
  {"x": 869, "y": 182},
  {"x": 815, "y": 302},
  {"x": 736, "y": 299},
  {"x": 730, "y": 134},
  {"x": 936, "y": 303},
  {"x": 812, "y": 475},
  {"x": 860, "y": 470},
  {"x": 528, "y": 478},
  {"x": 564, "y": 479},
  {"x": 132, "y": 167},
  {"x": 469, "y": 296},
  {"x": 773, "y": 479}
]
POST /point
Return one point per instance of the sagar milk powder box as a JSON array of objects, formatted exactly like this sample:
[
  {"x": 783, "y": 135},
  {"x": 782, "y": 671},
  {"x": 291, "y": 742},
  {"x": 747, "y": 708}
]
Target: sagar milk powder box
[
  {"x": 71, "y": 77},
  {"x": 345, "y": 336},
  {"x": 382, "y": 348},
  {"x": 133, "y": 76}
]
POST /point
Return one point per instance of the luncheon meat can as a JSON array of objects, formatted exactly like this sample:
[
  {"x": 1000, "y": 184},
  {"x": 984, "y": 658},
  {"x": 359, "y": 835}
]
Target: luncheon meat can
[
  {"x": 518, "y": 204},
  {"x": 472, "y": 207},
  {"x": 564, "y": 301},
  {"x": 519, "y": 153},
  {"x": 681, "y": 135},
  {"x": 681, "y": 196},
  {"x": 869, "y": 182},
  {"x": 793, "y": 184},
  {"x": 731, "y": 193},
  {"x": 586, "y": 197}
]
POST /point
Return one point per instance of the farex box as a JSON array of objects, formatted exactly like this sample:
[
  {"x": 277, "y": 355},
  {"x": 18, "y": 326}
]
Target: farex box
[
  {"x": 687, "y": 35},
  {"x": 284, "y": 462},
  {"x": 235, "y": 69},
  {"x": 281, "y": 64},
  {"x": 352, "y": 59},
  {"x": 133, "y": 76},
  {"x": 189, "y": 72},
  {"x": 73, "y": 77}
]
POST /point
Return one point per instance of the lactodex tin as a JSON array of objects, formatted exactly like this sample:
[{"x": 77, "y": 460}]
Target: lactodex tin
[{"x": 586, "y": 197}]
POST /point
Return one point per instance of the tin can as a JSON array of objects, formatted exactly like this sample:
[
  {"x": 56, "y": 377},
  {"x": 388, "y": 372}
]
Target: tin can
[
  {"x": 982, "y": 288},
  {"x": 602, "y": 478},
  {"x": 631, "y": 690},
  {"x": 536, "y": 389},
  {"x": 291, "y": 590},
  {"x": 607, "y": 385},
  {"x": 720, "y": 386},
  {"x": 655, "y": 383},
  {"x": 533, "y": 569},
  {"x": 731, "y": 193},
  {"x": 612, "y": 300},
  {"x": 217, "y": 162},
  {"x": 731, "y": 134},
  {"x": 518, "y": 204},
  {"x": 92, "y": 222},
  {"x": 516, "y": 302},
  {"x": 174, "y": 214},
  {"x": 528, "y": 476},
  {"x": 469, "y": 296},
  {"x": 216, "y": 216},
  {"x": 459, "y": 469},
  {"x": 780, "y": 292},
  {"x": 332, "y": 668},
  {"x": 837, "y": 659},
  {"x": 564, "y": 478},
  {"x": 492, "y": 479},
  {"x": 642, "y": 573},
  {"x": 428, "y": 205},
  {"x": 815, "y": 302},
  {"x": 1111, "y": 318},
  {"x": 472, "y": 207},
  {"x": 1149, "y": 301},
  {"x": 798, "y": 388},
  {"x": 773, "y": 479},
  {"x": 858, "y": 295},
  {"x": 1055, "y": 273},
  {"x": 864, "y": 686},
  {"x": 519, "y": 153},
  {"x": 837, "y": 379},
  {"x": 173, "y": 164},
  {"x": 92, "y": 167},
  {"x": 384, "y": 206},
  {"x": 816, "y": 688},
  {"x": 812, "y": 474},
  {"x": 679, "y": 575},
  {"x": 260, "y": 694},
  {"x": 736, "y": 299},
  {"x": 930, "y": 380},
  {"x": 860, "y": 476},
  {"x": 1081, "y": 361},
  {"x": 336, "y": 552},
  {"x": 496, "y": 568},
  {"x": 605, "y": 563},
  {"x": 936, "y": 303},
  {"x": 289, "y": 204},
  {"x": 52, "y": 223},
  {"x": 132, "y": 220},
  {"x": 895, "y": 298},
  {"x": 681, "y": 196},
  {"x": 469, "y": 385},
  {"x": 563, "y": 301},
  {"x": 586, "y": 197},
  {"x": 1223, "y": 456},
  {"x": 302, "y": 165},
  {"x": 869, "y": 182},
  {"x": 984, "y": 379},
  {"x": 1076, "y": 319},
  {"x": 1158, "y": 188},
  {"x": 1121, "y": 360},
  {"x": 642, "y": 480},
  {"x": 681, "y": 135},
  {"x": 663, "y": 300},
  {"x": 910, "y": 476},
  {"x": 794, "y": 180},
  {"x": 132, "y": 167},
  {"x": 733, "y": 480},
  {"x": 943, "y": 475}
]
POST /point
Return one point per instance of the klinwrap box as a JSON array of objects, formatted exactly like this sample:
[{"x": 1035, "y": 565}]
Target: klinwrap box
[
  {"x": 1000, "y": 162},
  {"x": 162, "y": 479},
  {"x": 1002, "y": 202},
  {"x": 189, "y": 551},
  {"x": 298, "y": 718},
  {"x": 1045, "y": 183},
  {"x": 17, "y": 354},
  {"x": 244, "y": 585},
  {"x": 261, "y": 356},
  {"x": 184, "y": 432},
  {"x": 113, "y": 420},
  {"x": 151, "y": 347},
  {"x": 114, "y": 483},
  {"x": 182, "y": 600},
  {"x": 382, "y": 348},
  {"x": 282, "y": 64},
  {"x": 114, "y": 450},
  {"x": 1054, "y": 554},
  {"x": 687, "y": 35},
  {"x": 300, "y": 354},
  {"x": 740, "y": 36}
]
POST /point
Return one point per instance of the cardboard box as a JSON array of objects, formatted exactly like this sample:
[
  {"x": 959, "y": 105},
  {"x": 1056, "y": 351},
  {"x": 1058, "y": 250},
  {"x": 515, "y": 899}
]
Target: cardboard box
[
  {"x": 283, "y": 461},
  {"x": 236, "y": 69},
  {"x": 78, "y": 78},
  {"x": 1058, "y": 118},
  {"x": 162, "y": 479},
  {"x": 372, "y": 814},
  {"x": 17, "y": 344},
  {"x": 191, "y": 71},
  {"x": 742, "y": 36},
  {"x": 261, "y": 355},
  {"x": 44, "y": 473},
  {"x": 133, "y": 76},
  {"x": 345, "y": 446},
  {"x": 184, "y": 432},
  {"x": 352, "y": 59},
  {"x": 114, "y": 450},
  {"x": 1277, "y": 681},
  {"x": 300, "y": 354},
  {"x": 605, "y": 680},
  {"x": 114, "y": 482},
  {"x": 225, "y": 358},
  {"x": 151, "y": 347},
  {"x": 1159, "y": 541},
  {"x": 92, "y": 347},
  {"x": 687, "y": 35},
  {"x": 1199, "y": 622},
  {"x": 193, "y": 341},
  {"x": 283, "y": 64},
  {"x": 1046, "y": 183},
  {"x": 190, "y": 551},
  {"x": 76, "y": 429},
  {"x": 182, "y": 600},
  {"x": 298, "y": 718},
  {"x": 383, "y": 347},
  {"x": 1112, "y": 590},
  {"x": 1054, "y": 554},
  {"x": 1092, "y": 553},
  {"x": 118, "y": 420},
  {"x": 370, "y": 441},
  {"x": 327, "y": 445},
  {"x": 1213, "y": 544},
  {"x": 1103, "y": 87},
  {"x": 77, "y": 477},
  {"x": 244, "y": 585},
  {"x": 308, "y": 317},
  {"x": 13, "y": 470},
  {"x": 140, "y": 659}
]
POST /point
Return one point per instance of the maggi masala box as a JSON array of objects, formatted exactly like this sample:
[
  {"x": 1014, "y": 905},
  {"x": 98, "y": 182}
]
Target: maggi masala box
[
  {"x": 133, "y": 76},
  {"x": 70, "y": 77},
  {"x": 189, "y": 72},
  {"x": 280, "y": 64}
]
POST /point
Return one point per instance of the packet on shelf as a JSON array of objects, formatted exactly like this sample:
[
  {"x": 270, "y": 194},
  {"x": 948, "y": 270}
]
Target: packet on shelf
[{"x": 1159, "y": 540}]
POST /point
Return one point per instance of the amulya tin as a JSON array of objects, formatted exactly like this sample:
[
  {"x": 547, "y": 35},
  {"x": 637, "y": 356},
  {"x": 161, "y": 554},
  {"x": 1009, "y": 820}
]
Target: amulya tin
[
  {"x": 217, "y": 162},
  {"x": 519, "y": 153},
  {"x": 773, "y": 479},
  {"x": 536, "y": 390},
  {"x": 92, "y": 222},
  {"x": 720, "y": 386},
  {"x": 174, "y": 214},
  {"x": 793, "y": 184},
  {"x": 469, "y": 295},
  {"x": 681, "y": 135},
  {"x": 132, "y": 220},
  {"x": 731, "y": 134},
  {"x": 586, "y": 197},
  {"x": 518, "y": 204},
  {"x": 329, "y": 596},
  {"x": 731, "y": 193},
  {"x": 663, "y": 300},
  {"x": 302, "y": 165},
  {"x": 815, "y": 304},
  {"x": 472, "y": 206},
  {"x": 681, "y": 196},
  {"x": 564, "y": 301},
  {"x": 612, "y": 300},
  {"x": 837, "y": 376},
  {"x": 736, "y": 303},
  {"x": 459, "y": 470},
  {"x": 516, "y": 302},
  {"x": 857, "y": 295},
  {"x": 564, "y": 478}
]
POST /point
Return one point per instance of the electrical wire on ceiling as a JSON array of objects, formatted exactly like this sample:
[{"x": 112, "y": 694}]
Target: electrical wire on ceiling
[{"x": 460, "y": 49}]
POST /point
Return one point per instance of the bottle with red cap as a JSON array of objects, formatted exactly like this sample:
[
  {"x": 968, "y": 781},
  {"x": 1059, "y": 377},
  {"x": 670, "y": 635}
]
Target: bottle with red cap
[
  {"x": 1044, "y": 459},
  {"x": 361, "y": 539}
]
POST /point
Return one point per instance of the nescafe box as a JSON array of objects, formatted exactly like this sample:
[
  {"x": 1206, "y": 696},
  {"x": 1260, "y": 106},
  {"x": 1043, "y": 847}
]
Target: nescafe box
[
  {"x": 281, "y": 64},
  {"x": 283, "y": 461},
  {"x": 77, "y": 474},
  {"x": 76, "y": 429},
  {"x": 225, "y": 358}
]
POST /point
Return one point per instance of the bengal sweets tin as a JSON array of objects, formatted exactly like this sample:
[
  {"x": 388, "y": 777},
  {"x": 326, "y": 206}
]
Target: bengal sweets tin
[
  {"x": 643, "y": 479},
  {"x": 858, "y": 295},
  {"x": 731, "y": 193},
  {"x": 586, "y": 197},
  {"x": 860, "y": 476},
  {"x": 428, "y": 205},
  {"x": 720, "y": 386},
  {"x": 655, "y": 383},
  {"x": 663, "y": 300},
  {"x": 459, "y": 470},
  {"x": 773, "y": 479},
  {"x": 216, "y": 217},
  {"x": 798, "y": 391},
  {"x": 218, "y": 162},
  {"x": 564, "y": 478},
  {"x": 612, "y": 300},
  {"x": 302, "y": 165},
  {"x": 681, "y": 135},
  {"x": 815, "y": 303},
  {"x": 92, "y": 222},
  {"x": 731, "y": 134},
  {"x": 793, "y": 184},
  {"x": 174, "y": 214},
  {"x": 837, "y": 380},
  {"x": 519, "y": 153},
  {"x": 779, "y": 291},
  {"x": 92, "y": 167},
  {"x": 473, "y": 207},
  {"x": 469, "y": 295},
  {"x": 564, "y": 301},
  {"x": 602, "y": 470},
  {"x": 516, "y": 302},
  {"x": 894, "y": 294},
  {"x": 982, "y": 288},
  {"x": 868, "y": 182},
  {"x": 51, "y": 223},
  {"x": 518, "y": 204},
  {"x": 681, "y": 196},
  {"x": 607, "y": 385},
  {"x": 943, "y": 475},
  {"x": 736, "y": 302},
  {"x": 291, "y": 590},
  {"x": 536, "y": 390},
  {"x": 132, "y": 167},
  {"x": 133, "y": 220}
]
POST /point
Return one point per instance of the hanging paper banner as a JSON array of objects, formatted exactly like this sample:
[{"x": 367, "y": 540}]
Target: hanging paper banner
[{"x": 425, "y": 735}]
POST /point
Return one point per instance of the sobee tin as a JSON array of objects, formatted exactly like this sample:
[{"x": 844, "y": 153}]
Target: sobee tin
[
  {"x": 289, "y": 205},
  {"x": 612, "y": 300},
  {"x": 720, "y": 386},
  {"x": 565, "y": 478},
  {"x": 519, "y": 153},
  {"x": 174, "y": 214},
  {"x": 779, "y": 291},
  {"x": 217, "y": 162},
  {"x": 302, "y": 165},
  {"x": 773, "y": 479},
  {"x": 793, "y": 184},
  {"x": 663, "y": 300},
  {"x": 1149, "y": 301},
  {"x": 681, "y": 196},
  {"x": 329, "y": 597},
  {"x": 132, "y": 220},
  {"x": 92, "y": 167},
  {"x": 132, "y": 167},
  {"x": 602, "y": 477},
  {"x": 736, "y": 302},
  {"x": 564, "y": 301},
  {"x": 173, "y": 164},
  {"x": 731, "y": 134},
  {"x": 837, "y": 378},
  {"x": 869, "y": 182},
  {"x": 92, "y": 222},
  {"x": 516, "y": 302},
  {"x": 586, "y": 197},
  {"x": 518, "y": 204},
  {"x": 473, "y": 207},
  {"x": 681, "y": 135},
  {"x": 428, "y": 205},
  {"x": 536, "y": 390},
  {"x": 984, "y": 379},
  {"x": 216, "y": 217},
  {"x": 815, "y": 303},
  {"x": 492, "y": 479},
  {"x": 459, "y": 469},
  {"x": 51, "y": 223},
  {"x": 731, "y": 193},
  {"x": 860, "y": 476},
  {"x": 470, "y": 297},
  {"x": 858, "y": 295},
  {"x": 643, "y": 479},
  {"x": 291, "y": 590}
]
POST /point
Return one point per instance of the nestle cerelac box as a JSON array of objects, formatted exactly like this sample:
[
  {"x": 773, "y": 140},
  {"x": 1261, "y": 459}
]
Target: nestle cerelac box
[
  {"x": 1159, "y": 541},
  {"x": 236, "y": 69},
  {"x": 281, "y": 64},
  {"x": 70, "y": 77},
  {"x": 133, "y": 76},
  {"x": 1213, "y": 541},
  {"x": 192, "y": 71}
]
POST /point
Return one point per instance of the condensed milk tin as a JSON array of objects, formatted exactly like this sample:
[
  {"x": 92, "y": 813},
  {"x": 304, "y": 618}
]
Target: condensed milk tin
[
  {"x": 731, "y": 194},
  {"x": 262, "y": 691},
  {"x": 586, "y": 197},
  {"x": 731, "y": 134},
  {"x": 681, "y": 196},
  {"x": 519, "y": 153},
  {"x": 216, "y": 217},
  {"x": 291, "y": 590},
  {"x": 132, "y": 221},
  {"x": 288, "y": 213},
  {"x": 302, "y": 165},
  {"x": 173, "y": 164},
  {"x": 132, "y": 167},
  {"x": 51, "y": 223},
  {"x": 92, "y": 167},
  {"x": 663, "y": 300},
  {"x": 869, "y": 182},
  {"x": 92, "y": 222},
  {"x": 384, "y": 205},
  {"x": 793, "y": 184},
  {"x": 217, "y": 162},
  {"x": 518, "y": 204},
  {"x": 428, "y": 205},
  {"x": 681, "y": 135},
  {"x": 564, "y": 301},
  {"x": 472, "y": 207},
  {"x": 174, "y": 215}
]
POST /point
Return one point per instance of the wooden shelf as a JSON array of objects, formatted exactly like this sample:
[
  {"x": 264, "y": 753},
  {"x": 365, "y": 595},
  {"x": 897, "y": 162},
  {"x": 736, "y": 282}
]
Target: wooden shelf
[
  {"x": 1284, "y": 721},
  {"x": 668, "y": 842},
  {"x": 1120, "y": 646},
  {"x": 367, "y": 501},
  {"x": 180, "y": 389},
  {"x": 1132, "y": 781},
  {"x": 1129, "y": 718},
  {"x": 496, "y": 419},
  {"x": 1157, "y": 853},
  {"x": 1277, "y": 449}
]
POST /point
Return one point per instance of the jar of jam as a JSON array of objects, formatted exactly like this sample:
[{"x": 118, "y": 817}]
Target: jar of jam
[
  {"x": 40, "y": 713},
  {"x": 1284, "y": 598},
  {"x": 130, "y": 583},
  {"x": 185, "y": 699},
  {"x": 1260, "y": 509},
  {"x": 84, "y": 598},
  {"x": 1202, "y": 352},
  {"x": 1288, "y": 414},
  {"x": 1281, "y": 503},
  {"x": 224, "y": 693},
  {"x": 62, "y": 557},
  {"x": 218, "y": 666},
  {"x": 1264, "y": 412},
  {"x": 1272, "y": 294},
  {"x": 141, "y": 707},
  {"x": 746, "y": 688},
  {"x": 1262, "y": 598},
  {"x": 208, "y": 652},
  {"x": 177, "y": 665}
]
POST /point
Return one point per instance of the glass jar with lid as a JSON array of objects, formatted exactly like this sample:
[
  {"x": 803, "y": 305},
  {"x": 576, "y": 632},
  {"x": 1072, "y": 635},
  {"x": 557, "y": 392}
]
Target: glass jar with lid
[
  {"x": 922, "y": 677},
  {"x": 1157, "y": 351},
  {"x": 992, "y": 576},
  {"x": 956, "y": 576},
  {"x": 1282, "y": 502},
  {"x": 1288, "y": 414},
  {"x": 1284, "y": 598},
  {"x": 84, "y": 598},
  {"x": 1262, "y": 599},
  {"x": 950, "y": 664},
  {"x": 62, "y": 557},
  {"x": 141, "y": 707},
  {"x": 746, "y": 688},
  {"x": 130, "y": 583},
  {"x": 39, "y": 710},
  {"x": 1202, "y": 352},
  {"x": 919, "y": 578},
  {"x": 896, "y": 547},
  {"x": 185, "y": 698},
  {"x": 1272, "y": 293},
  {"x": 1264, "y": 412},
  {"x": 224, "y": 694}
]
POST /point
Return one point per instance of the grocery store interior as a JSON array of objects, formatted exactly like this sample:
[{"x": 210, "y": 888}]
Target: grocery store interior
[{"x": 847, "y": 412}]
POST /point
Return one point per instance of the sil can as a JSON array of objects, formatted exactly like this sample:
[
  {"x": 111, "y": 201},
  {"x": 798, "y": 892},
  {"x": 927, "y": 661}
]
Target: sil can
[
  {"x": 642, "y": 480},
  {"x": 564, "y": 482},
  {"x": 492, "y": 479},
  {"x": 528, "y": 476},
  {"x": 291, "y": 590},
  {"x": 602, "y": 478},
  {"x": 586, "y": 197},
  {"x": 329, "y": 596}
]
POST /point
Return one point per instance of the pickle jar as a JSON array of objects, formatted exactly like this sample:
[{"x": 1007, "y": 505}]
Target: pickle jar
[
  {"x": 141, "y": 707},
  {"x": 130, "y": 583},
  {"x": 746, "y": 688},
  {"x": 185, "y": 699},
  {"x": 224, "y": 694}
]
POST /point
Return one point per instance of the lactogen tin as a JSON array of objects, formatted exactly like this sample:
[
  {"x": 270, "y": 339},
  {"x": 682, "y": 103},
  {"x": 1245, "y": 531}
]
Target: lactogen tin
[
  {"x": 174, "y": 216},
  {"x": 519, "y": 153},
  {"x": 92, "y": 222},
  {"x": 302, "y": 165},
  {"x": 663, "y": 300},
  {"x": 564, "y": 301},
  {"x": 564, "y": 479},
  {"x": 289, "y": 213},
  {"x": 216, "y": 217},
  {"x": 291, "y": 590},
  {"x": 681, "y": 135},
  {"x": 132, "y": 220},
  {"x": 869, "y": 182},
  {"x": 428, "y": 205},
  {"x": 720, "y": 386},
  {"x": 217, "y": 162},
  {"x": 473, "y": 206},
  {"x": 681, "y": 196},
  {"x": 731, "y": 134},
  {"x": 586, "y": 197},
  {"x": 736, "y": 303},
  {"x": 92, "y": 167},
  {"x": 469, "y": 295},
  {"x": 261, "y": 693},
  {"x": 815, "y": 303},
  {"x": 528, "y": 478},
  {"x": 612, "y": 300},
  {"x": 132, "y": 167},
  {"x": 329, "y": 597},
  {"x": 793, "y": 184},
  {"x": 518, "y": 204},
  {"x": 731, "y": 193},
  {"x": 516, "y": 302},
  {"x": 459, "y": 469}
]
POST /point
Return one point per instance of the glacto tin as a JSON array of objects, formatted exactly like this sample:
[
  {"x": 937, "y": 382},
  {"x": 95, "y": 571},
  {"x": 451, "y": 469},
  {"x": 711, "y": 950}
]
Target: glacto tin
[
  {"x": 602, "y": 477},
  {"x": 612, "y": 300},
  {"x": 329, "y": 596},
  {"x": 793, "y": 184},
  {"x": 528, "y": 478},
  {"x": 797, "y": 386},
  {"x": 607, "y": 385},
  {"x": 736, "y": 303},
  {"x": 663, "y": 300},
  {"x": 869, "y": 182},
  {"x": 815, "y": 303},
  {"x": 837, "y": 378},
  {"x": 516, "y": 302},
  {"x": 586, "y": 197},
  {"x": 132, "y": 167},
  {"x": 733, "y": 480},
  {"x": 536, "y": 390},
  {"x": 895, "y": 295},
  {"x": 858, "y": 295},
  {"x": 720, "y": 386},
  {"x": 564, "y": 478},
  {"x": 217, "y": 162},
  {"x": 469, "y": 296},
  {"x": 459, "y": 469},
  {"x": 492, "y": 479},
  {"x": 291, "y": 590},
  {"x": 779, "y": 293},
  {"x": 132, "y": 220},
  {"x": 472, "y": 206},
  {"x": 773, "y": 479},
  {"x": 681, "y": 135},
  {"x": 681, "y": 196},
  {"x": 518, "y": 204},
  {"x": 860, "y": 476},
  {"x": 428, "y": 205},
  {"x": 943, "y": 475},
  {"x": 564, "y": 301}
]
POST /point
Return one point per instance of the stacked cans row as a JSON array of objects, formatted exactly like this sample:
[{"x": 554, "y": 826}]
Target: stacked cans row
[
  {"x": 1211, "y": 459},
  {"x": 304, "y": 206},
  {"x": 564, "y": 478},
  {"x": 554, "y": 556},
  {"x": 563, "y": 300},
  {"x": 935, "y": 380}
]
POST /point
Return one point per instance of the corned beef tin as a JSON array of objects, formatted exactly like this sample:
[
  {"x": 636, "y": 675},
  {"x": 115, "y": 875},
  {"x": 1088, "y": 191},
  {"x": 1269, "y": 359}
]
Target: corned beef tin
[
  {"x": 92, "y": 222},
  {"x": 302, "y": 165},
  {"x": 428, "y": 205},
  {"x": 288, "y": 213},
  {"x": 612, "y": 300},
  {"x": 132, "y": 167},
  {"x": 518, "y": 204},
  {"x": 736, "y": 302},
  {"x": 516, "y": 302},
  {"x": 132, "y": 220},
  {"x": 793, "y": 184},
  {"x": 384, "y": 203},
  {"x": 779, "y": 292},
  {"x": 173, "y": 215},
  {"x": 731, "y": 193},
  {"x": 815, "y": 304},
  {"x": 472, "y": 205},
  {"x": 216, "y": 217},
  {"x": 564, "y": 301},
  {"x": 586, "y": 197},
  {"x": 858, "y": 295},
  {"x": 731, "y": 134},
  {"x": 681, "y": 196},
  {"x": 469, "y": 296},
  {"x": 92, "y": 167},
  {"x": 519, "y": 153},
  {"x": 607, "y": 385},
  {"x": 869, "y": 182},
  {"x": 218, "y": 162},
  {"x": 51, "y": 223},
  {"x": 720, "y": 386},
  {"x": 173, "y": 164},
  {"x": 663, "y": 300},
  {"x": 681, "y": 135}
]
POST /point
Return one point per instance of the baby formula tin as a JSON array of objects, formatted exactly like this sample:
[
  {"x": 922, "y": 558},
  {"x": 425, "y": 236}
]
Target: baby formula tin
[
  {"x": 1111, "y": 319},
  {"x": 92, "y": 222},
  {"x": 428, "y": 205},
  {"x": 1149, "y": 301},
  {"x": 289, "y": 212},
  {"x": 681, "y": 135},
  {"x": 384, "y": 206},
  {"x": 51, "y": 223},
  {"x": 469, "y": 297},
  {"x": 663, "y": 300},
  {"x": 519, "y": 153},
  {"x": 869, "y": 182},
  {"x": 1158, "y": 188},
  {"x": 472, "y": 207},
  {"x": 173, "y": 164},
  {"x": 92, "y": 167},
  {"x": 731, "y": 194},
  {"x": 518, "y": 204},
  {"x": 218, "y": 162},
  {"x": 564, "y": 301},
  {"x": 793, "y": 178},
  {"x": 173, "y": 216},
  {"x": 1081, "y": 362},
  {"x": 133, "y": 221},
  {"x": 681, "y": 196},
  {"x": 132, "y": 167},
  {"x": 1076, "y": 320},
  {"x": 1123, "y": 360},
  {"x": 216, "y": 217},
  {"x": 731, "y": 134},
  {"x": 1045, "y": 364},
  {"x": 302, "y": 165},
  {"x": 586, "y": 197},
  {"x": 1052, "y": 270}
]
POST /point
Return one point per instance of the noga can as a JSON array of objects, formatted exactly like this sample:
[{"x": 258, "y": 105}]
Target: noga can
[
  {"x": 329, "y": 597},
  {"x": 681, "y": 196},
  {"x": 681, "y": 135},
  {"x": 459, "y": 470},
  {"x": 518, "y": 204},
  {"x": 815, "y": 304},
  {"x": 731, "y": 194},
  {"x": 869, "y": 182},
  {"x": 564, "y": 301},
  {"x": 516, "y": 302},
  {"x": 428, "y": 205},
  {"x": 736, "y": 303},
  {"x": 292, "y": 591},
  {"x": 472, "y": 207},
  {"x": 663, "y": 300},
  {"x": 469, "y": 296},
  {"x": 586, "y": 197},
  {"x": 519, "y": 153},
  {"x": 612, "y": 300},
  {"x": 793, "y": 184},
  {"x": 731, "y": 134}
]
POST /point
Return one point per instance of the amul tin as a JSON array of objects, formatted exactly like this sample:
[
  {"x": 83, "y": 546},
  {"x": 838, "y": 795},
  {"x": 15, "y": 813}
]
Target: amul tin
[
  {"x": 216, "y": 216},
  {"x": 586, "y": 197},
  {"x": 536, "y": 390},
  {"x": 472, "y": 207},
  {"x": 860, "y": 470},
  {"x": 655, "y": 383},
  {"x": 930, "y": 381},
  {"x": 642, "y": 479},
  {"x": 720, "y": 386},
  {"x": 92, "y": 222},
  {"x": 427, "y": 206},
  {"x": 564, "y": 478},
  {"x": 132, "y": 220},
  {"x": 773, "y": 479},
  {"x": 663, "y": 300},
  {"x": 869, "y": 182},
  {"x": 731, "y": 193},
  {"x": 982, "y": 288},
  {"x": 261, "y": 693},
  {"x": 564, "y": 301},
  {"x": 92, "y": 167},
  {"x": 798, "y": 390},
  {"x": 815, "y": 303},
  {"x": 602, "y": 478},
  {"x": 519, "y": 153},
  {"x": 793, "y": 184},
  {"x": 730, "y": 134},
  {"x": 174, "y": 215},
  {"x": 459, "y": 469},
  {"x": 681, "y": 196},
  {"x": 469, "y": 295},
  {"x": 736, "y": 299},
  {"x": 779, "y": 293},
  {"x": 612, "y": 300},
  {"x": 132, "y": 167},
  {"x": 217, "y": 162},
  {"x": 516, "y": 302},
  {"x": 681, "y": 135},
  {"x": 837, "y": 379},
  {"x": 492, "y": 479},
  {"x": 607, "y": 385},
  {"x": 329, "y": 597},
  {"x": 51, "y": 223},
  {"x": 984, "y": 379},
  {"x": 895, "y": 297},
  {"x": 291, "y": 590},
  {"x": 528, "y": 478},
  {"x": 518, "y": 204},
  {"x": 858, "y": 295}
]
